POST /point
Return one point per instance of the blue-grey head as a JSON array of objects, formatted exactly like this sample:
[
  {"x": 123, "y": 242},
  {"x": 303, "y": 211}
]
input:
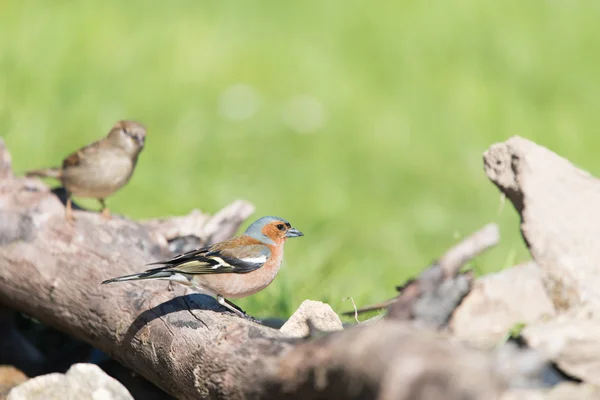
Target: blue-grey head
[{"x": 272, "y": 230}]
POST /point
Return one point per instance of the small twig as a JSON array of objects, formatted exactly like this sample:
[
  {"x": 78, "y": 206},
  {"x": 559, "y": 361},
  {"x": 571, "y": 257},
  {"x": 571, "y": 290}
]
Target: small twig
[
  {"x": 453, "y": 260},
  {"x": 429, "y": 282},
  {"x": 355, "y": 309},
  {"x": 373, "y": 307}
]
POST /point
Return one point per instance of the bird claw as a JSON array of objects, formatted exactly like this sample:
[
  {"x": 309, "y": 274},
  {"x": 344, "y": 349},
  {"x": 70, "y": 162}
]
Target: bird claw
[
  {"x": 235, "y": 309},
  {"x": 106, "y": 214},
  {"x": 69, "y": 212}
]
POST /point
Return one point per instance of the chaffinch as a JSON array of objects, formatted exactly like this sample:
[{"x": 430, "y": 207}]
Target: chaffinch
[
  {"x": 234, "y": 268},
  {"x": 100, "y": 168}
]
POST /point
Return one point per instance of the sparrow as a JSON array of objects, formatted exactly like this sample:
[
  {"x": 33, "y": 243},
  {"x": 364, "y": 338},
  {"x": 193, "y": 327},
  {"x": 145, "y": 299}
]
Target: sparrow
[
  {"x": 101, "y": 168},
  {"x": 234, "y": 268}
]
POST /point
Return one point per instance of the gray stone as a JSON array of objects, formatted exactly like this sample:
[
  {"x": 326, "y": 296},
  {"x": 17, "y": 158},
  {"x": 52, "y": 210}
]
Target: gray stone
[
  {"x": 571, "y": 341},
  {"x": 81, "y": 382},
  {"x": 320, "y": 314},
  {"x": 499, "y": 301},
  {"x": 564, "y": 391}
]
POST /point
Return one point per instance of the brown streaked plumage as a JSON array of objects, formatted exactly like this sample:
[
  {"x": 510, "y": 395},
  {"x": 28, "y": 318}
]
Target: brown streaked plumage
[{"x": 101, "y": 168}]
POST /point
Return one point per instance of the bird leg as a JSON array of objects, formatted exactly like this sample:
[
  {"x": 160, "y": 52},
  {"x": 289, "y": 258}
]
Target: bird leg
[
  {"x": 222, "y": 301},
  {"x": 105, "y": 210},
  {"x": 69, "y": 209}
]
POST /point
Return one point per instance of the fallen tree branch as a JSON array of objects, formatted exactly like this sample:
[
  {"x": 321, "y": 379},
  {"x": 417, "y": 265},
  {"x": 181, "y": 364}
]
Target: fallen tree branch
[
  {"x": 433, "y": 296},
  {"x": 467, "y": 249},
  {"x": 186, "y": 343}
]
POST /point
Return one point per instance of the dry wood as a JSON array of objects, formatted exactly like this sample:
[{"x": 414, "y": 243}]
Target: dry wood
[
  {"x": 467, "y": 249},
  {"x": 432, "y": 297},
  {"x": 184, "y": 342}
]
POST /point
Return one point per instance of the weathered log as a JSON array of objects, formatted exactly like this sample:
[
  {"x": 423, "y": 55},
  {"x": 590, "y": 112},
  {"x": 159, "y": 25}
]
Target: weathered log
[{"x": 185, "y": 343}]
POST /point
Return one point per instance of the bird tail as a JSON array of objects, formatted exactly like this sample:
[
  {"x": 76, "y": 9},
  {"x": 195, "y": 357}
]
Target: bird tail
[
  {"x": 45, "y": 173},
  {"x": 152, "y": 274}
]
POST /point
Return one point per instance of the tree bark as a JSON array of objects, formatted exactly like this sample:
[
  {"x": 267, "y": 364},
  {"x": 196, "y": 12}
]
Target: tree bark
[{"x": 185, "y": 343}]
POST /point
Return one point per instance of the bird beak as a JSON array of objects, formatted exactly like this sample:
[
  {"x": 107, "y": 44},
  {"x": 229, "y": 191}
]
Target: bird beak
[
  {"x": 293, "y": 232},
  {"x": 141, "y": 140}
]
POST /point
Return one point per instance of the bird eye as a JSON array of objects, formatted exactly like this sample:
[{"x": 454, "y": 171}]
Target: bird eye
[{"x": 281, "y": 227}]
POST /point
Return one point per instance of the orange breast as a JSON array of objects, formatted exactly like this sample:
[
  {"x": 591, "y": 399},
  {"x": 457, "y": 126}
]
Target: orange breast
[{"x": 236, "y": 286}]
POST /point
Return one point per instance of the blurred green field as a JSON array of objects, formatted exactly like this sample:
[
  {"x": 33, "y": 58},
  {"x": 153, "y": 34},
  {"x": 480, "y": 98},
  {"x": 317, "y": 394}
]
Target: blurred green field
[{"x": 363, "y": 123}]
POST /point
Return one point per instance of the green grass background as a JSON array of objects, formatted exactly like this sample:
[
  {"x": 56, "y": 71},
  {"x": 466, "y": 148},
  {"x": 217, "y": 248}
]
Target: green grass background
[{"x": 411, "y": 93}]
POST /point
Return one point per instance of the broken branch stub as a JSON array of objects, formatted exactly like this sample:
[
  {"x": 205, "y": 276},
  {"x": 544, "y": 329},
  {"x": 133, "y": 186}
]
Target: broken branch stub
[{"x": 432, "y": 297}]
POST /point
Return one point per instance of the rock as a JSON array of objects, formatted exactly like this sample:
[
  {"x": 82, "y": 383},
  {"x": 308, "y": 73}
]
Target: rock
[
  {"x": 572, "y": 341},
  {"x": 320, "y": 314},
  {"x": 82, "y": 381},
  {"x": 9, "y": 378},
  {"x": 564, "y": 391},
  {"x": 526, "y": 368},
  {"x": 499, "y": 301},
  {"x": 524, "y": 394},
  {"x": 571, "y": 391},
  {"x": 558, "y": 204}
]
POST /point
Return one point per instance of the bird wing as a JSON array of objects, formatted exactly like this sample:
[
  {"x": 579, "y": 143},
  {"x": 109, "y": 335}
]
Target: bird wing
[
  {"x": 82, "y": 155},
  {"x": 72, "y": 160},
  {"x": 78, "y": 157},
  {"x": 219, "y": 259}
]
